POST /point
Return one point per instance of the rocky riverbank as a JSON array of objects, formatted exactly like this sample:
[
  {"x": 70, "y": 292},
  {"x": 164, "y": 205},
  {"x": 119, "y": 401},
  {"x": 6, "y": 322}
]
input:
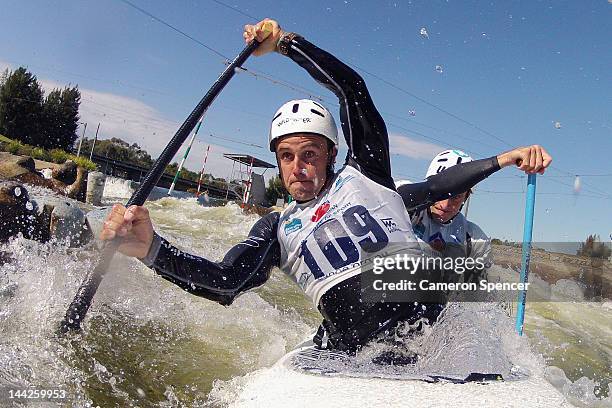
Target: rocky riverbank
[
  {"x": 58, "y": 212},
  {"x": 66, "y": 179}
]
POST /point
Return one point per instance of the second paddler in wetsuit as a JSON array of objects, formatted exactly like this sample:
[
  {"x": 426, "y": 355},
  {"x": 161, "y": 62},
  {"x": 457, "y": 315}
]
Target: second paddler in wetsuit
[
  {"x": 317, "y": 238},
  {"x": 444, "y": 228}
]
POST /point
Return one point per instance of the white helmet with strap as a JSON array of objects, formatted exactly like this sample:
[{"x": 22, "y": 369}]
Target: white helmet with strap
[
  {"x": 446, "y": 159},
  {"x": 303, "y": 116}
]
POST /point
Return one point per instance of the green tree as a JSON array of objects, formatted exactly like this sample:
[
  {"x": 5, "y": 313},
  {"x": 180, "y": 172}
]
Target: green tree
[
  {"x": 594, "y": 248},
  {"x": 118, "y": 149},
  {"x": 171, "y": 169},
  {"x": 60, "y": 114},
  {"x": 189, "y": 175},
  {"x": 275, "y": 190},
  {"x": 21, "y": 101},
  {"x": 218, "y": 182}
]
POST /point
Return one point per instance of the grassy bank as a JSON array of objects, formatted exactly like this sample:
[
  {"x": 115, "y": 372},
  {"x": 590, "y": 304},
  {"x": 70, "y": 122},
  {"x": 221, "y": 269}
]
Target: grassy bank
[{"x": 54, "y": 155}]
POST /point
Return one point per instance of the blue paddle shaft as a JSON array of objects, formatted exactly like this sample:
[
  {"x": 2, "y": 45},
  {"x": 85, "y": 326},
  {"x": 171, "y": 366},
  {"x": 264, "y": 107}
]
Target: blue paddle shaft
[{"x": 527, "y": 234}]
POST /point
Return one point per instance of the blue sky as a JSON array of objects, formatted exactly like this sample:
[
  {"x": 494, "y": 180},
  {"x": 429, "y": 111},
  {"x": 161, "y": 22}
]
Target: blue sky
[{"x": 508, "y": 72}]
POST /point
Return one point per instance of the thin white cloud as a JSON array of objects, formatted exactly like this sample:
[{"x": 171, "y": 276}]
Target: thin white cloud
[
  {"x": 406, "y": 146},
  {"x": 136, "y": 122}
]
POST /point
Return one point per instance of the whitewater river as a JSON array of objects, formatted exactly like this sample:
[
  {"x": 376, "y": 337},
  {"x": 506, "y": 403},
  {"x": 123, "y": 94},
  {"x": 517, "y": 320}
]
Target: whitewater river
[{"x": 148, "y": 343}]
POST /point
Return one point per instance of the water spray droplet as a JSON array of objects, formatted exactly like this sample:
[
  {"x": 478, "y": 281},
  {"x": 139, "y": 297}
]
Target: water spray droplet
[
  {"x": 439, "y": 69},
  {"x": 304, "y": 172},
  {"x": 17, "y": 191},
  {"x": 424, "y": 32},
  {"x": 557, "y": 125},
  {"x": 577, "y": 185},
  {"x": 412, "y": 112}
]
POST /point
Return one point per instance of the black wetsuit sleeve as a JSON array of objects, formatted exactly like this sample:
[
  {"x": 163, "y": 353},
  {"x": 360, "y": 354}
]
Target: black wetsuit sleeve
[
  {"x": 245, "y": 266},
  {"x": 363, "y": 127},
  {"x": 454, "y": 180}
]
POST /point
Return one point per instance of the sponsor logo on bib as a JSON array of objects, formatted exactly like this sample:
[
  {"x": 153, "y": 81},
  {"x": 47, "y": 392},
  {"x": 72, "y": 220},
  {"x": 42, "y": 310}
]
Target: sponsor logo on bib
[
  {"x": 320, "y": 212},
  {"x": 390, "y": 224},
  {"x": 340, "y": 182},
  {"x": 436, "y": 241},
  {"x": 292, "y": 226},
  {"x": 419, "y": 230}
]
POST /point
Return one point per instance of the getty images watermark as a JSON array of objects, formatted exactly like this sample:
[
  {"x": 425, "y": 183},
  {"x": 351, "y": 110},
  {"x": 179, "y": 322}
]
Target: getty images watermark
[
  {"x": 437, "y": 268},
  {"x": 414, "y": 273}
]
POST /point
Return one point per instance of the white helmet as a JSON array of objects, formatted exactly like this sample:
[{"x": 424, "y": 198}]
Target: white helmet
[
  {"x": 303, "y": 116},
  {"x": 446, "y": 159}
]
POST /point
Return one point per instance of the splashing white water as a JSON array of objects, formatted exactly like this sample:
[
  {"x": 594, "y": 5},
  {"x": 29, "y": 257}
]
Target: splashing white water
[{"x": 151, "y": 336}]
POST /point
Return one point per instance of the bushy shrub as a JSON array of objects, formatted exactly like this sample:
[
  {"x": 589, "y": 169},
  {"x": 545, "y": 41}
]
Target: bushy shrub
[
  {"x": 13, "y": 147},
  {"x": 25, "y": 150},
  {"x": 40, "y": 154},
  {"x": 58, "y": 156},
  {"x": 84, "y": 162}
]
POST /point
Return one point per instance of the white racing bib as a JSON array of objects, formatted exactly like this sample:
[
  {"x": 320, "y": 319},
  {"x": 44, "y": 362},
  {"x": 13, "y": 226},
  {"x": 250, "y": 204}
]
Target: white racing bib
[{"x": 322, "y": 241}]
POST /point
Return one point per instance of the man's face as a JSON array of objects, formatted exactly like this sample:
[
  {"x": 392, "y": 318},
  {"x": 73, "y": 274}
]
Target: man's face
[
  {"x": 303, "y": 160},
  {"x": 443, "y": 211}
]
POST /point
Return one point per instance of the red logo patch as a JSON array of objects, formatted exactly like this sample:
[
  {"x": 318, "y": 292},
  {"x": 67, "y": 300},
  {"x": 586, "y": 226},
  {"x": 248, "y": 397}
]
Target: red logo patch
[
  {"x": 436, "y": 241},
  {"x": 320, "y": 212}
]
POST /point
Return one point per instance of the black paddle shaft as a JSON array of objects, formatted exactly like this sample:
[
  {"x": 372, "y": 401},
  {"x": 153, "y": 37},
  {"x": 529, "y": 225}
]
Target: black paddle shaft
[{"x": 78, "y": 308}]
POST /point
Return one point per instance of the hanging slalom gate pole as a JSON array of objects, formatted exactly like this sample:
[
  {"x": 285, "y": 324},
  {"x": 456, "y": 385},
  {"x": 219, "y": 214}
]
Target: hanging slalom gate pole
[
  {"x": 247, "y": 189},
  {"x": 180, "y": 167},
  {"x": 82, "y": 300},
  {"x": 81, "y": 141},
  {"x": 229, "y": 180},
  {"x": 527, "y": 234},
  {"x": 94, "y": 141},
  {"x": 202, "y": 172}
]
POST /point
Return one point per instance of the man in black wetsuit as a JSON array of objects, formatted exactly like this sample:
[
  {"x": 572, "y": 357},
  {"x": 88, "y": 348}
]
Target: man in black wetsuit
[{"x": 337, "y": 218}]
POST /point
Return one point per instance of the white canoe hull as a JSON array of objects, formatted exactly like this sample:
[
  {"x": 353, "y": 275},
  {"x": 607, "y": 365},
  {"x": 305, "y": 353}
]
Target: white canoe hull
[{"x": 285, "y": 385}]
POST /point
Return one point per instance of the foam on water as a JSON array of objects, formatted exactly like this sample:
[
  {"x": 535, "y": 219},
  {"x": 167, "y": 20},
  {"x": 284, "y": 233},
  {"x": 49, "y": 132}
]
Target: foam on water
[
  {"x": 140, "y": 328},
  {"x": 32, "y": 299},
  {"x": 118, "y": 188}
]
